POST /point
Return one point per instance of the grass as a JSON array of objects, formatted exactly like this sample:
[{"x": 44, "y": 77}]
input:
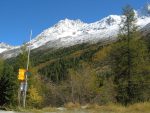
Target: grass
[
  {"x": 47, "y": 109},
  {"x": 115, "y": 108},
  {"x": 110, "y": 108},
  {"x": 92, "y": 108},
  {"x": 33, "y": 110}
]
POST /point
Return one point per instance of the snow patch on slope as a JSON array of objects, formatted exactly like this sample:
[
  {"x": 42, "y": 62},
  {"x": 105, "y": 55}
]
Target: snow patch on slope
[{"x": 4, "y": 47}]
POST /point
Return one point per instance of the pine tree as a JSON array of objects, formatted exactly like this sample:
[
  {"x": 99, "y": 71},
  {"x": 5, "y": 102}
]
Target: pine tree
[
  {"x": 128, "y": 28},
  {"x": 130, "y": 61},
  {"x": 5, "y": 90},
  {"x": 7, "y": 84}
]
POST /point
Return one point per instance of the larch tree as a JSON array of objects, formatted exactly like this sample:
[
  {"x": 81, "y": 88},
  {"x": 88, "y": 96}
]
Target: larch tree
[{"x": 129, "y": 60}]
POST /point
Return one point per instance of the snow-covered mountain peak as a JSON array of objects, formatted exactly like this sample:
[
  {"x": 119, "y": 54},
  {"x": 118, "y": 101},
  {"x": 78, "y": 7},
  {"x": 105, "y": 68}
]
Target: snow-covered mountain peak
[
  {"x": 68, "y": 21},
  {"x": 63, "y": 28},
  {"x": 112, "y": 17},
  {"x": 111, "y": 20},
  {"x": 5, "y": 47},
  {"x": 67, "y": 24}
]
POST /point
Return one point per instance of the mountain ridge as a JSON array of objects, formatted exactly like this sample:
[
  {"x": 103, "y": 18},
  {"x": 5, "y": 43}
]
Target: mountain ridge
[
  {"x": 5, "y": 47},
  {"x": 71, "y": 32}
]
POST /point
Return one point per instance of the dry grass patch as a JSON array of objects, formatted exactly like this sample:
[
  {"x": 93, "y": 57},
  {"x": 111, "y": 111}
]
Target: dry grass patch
[
  {"x": 35, "y": 110},
  {"x": 116, "y": 108},
  {"x": 93, "y": 108},
  {"x": 71, "y": 105},
  {"x": 139, "y": 108}
]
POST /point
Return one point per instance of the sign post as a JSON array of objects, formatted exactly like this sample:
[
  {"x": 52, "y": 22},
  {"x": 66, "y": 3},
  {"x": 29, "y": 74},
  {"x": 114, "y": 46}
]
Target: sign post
[
  {"x": 26, "y": 76},
  {"x": 23, "y": 77}
]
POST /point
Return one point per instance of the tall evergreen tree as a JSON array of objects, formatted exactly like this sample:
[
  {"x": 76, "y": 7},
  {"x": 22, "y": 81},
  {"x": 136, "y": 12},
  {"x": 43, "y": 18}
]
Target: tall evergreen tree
[
  {"x": 7, "y": 84},
  {"x": 130, "y": 60},
  {"x": 127, "y": 30}
]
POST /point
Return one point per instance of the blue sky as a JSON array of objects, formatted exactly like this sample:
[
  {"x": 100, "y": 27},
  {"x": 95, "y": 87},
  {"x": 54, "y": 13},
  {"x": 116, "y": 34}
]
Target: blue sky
[{"x": 17, "y": 17}]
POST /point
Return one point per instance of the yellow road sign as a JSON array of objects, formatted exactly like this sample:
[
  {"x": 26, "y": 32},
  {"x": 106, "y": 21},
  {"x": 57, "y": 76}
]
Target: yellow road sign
[{"x": 21, "y": 75}]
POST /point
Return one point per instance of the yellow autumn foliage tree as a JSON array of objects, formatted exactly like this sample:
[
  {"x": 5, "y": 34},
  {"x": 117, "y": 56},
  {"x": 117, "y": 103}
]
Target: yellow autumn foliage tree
[{"x": 34, "y": 98}]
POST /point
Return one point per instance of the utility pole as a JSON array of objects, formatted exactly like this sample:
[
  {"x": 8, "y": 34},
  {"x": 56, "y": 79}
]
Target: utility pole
[{"x": 26, "y": 76}]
